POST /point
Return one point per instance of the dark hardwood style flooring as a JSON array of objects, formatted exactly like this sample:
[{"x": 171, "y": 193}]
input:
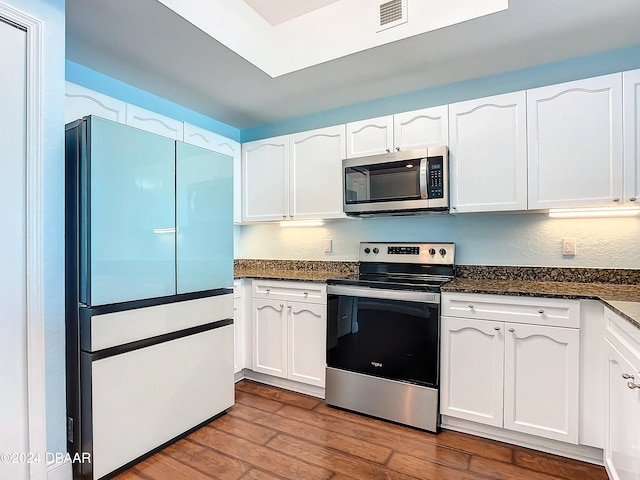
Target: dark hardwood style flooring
[{"x": 272, "y": 433}]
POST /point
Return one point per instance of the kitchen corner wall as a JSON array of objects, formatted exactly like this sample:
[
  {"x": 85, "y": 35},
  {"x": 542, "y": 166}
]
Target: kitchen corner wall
[{"x": 531, "y": 239}]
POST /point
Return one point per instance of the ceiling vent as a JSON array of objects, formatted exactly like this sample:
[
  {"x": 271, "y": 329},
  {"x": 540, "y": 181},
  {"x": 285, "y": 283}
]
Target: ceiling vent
[{"x": 392, "y": 13}]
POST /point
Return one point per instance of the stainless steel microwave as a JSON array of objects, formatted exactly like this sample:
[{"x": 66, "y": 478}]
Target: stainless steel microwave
[{"x": 397, "y": 183}]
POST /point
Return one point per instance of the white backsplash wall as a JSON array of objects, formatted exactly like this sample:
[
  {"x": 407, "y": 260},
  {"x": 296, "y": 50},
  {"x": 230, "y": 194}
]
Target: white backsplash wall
[{"x": 511, "y": 239}]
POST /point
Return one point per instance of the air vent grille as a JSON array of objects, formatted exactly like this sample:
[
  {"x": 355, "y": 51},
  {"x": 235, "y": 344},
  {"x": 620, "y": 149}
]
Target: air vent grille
[{"x": 392, "y": 13}]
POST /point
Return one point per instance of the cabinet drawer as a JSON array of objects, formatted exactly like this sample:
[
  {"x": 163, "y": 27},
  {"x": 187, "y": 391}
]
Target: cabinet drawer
[
  {"x": 296, "y": 291},
  {"x": 504, "y": 308}
]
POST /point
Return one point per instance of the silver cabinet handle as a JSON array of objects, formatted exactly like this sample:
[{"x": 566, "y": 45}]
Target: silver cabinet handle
[
  {"x": 268, "y": 290},
  {"x": 471, "y": 306},
  {"x": 497, "y": 329},
  {"x": 632, "y": 385},
  {"x": 454, "y": 208},
  {"x": 388, "y": 150},
  {"x": 397, "y": 149},
  {"x": 306, "y": 294},
  {"x": 281, "y": 306},
  {"x": 632, "y": 199},
  {"x": 541, "y": 311},
  {"x": 616, "y": 199},
  {"x": 512, "y": 330},
  {"x": 628, "y": 376}
]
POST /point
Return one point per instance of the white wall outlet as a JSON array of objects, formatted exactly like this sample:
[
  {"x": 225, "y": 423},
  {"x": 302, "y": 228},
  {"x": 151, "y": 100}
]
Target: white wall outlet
[
  {"x": 327, "y": 245},
  {"x": 568, "y": 246}
]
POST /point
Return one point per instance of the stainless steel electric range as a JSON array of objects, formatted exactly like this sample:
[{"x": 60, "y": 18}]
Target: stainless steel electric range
[{"x": 383, "y": 332}]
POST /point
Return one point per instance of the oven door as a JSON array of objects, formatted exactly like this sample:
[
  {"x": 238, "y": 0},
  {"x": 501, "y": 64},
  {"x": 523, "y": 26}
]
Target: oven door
[{"x": 393, "y": 334}]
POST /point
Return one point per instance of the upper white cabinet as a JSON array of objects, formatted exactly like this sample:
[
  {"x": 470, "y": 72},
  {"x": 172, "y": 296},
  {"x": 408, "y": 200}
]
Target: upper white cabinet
[
  {"x": 631, "y": 85},
  {"x": 488, "y": 154},
  {"x": 265, "y": 179},
  {"x": 154, "y": 122},
  {"x": 315, "y": 173},
  {"x": 512, "y": 362},
  {"x": 80, "y": 102},
  {"x": 403, "y": 131},
  {"x": 575, "y": 143},
  {"x": 295, "y": 176},
  {"x": 217, "y": 143}
]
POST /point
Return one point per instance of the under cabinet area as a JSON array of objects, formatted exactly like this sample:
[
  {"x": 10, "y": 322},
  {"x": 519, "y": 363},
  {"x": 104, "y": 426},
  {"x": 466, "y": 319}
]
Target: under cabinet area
[
  {"x": 289, "y": 330},
  {"x": 512, "y": 362},
  {"x": 622, "y": 439}
]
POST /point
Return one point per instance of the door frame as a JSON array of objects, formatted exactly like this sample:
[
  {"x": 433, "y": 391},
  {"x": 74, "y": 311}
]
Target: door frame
[{"x": 36, "y": 397}]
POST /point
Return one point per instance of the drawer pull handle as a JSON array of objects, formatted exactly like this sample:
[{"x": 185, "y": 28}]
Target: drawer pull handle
[
  {"x": 281, "y": 306},
  {"x": 268, "y": 290},
  {"x": 306, "y": 294},
  {"x": 497, "y": 329},
  {"x": 289, "y": 307},
  {"x": 512, "y": 330},
  {"x": 632, "y": 385},
  {"x": 541, "y": 311},
  {"x": 628, "y": 376},
  {"x": 471, "y": 306}
]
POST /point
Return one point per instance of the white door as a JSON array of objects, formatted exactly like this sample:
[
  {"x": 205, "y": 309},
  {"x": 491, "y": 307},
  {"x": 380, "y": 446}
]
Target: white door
[
  {"x": 488, "y": 154},
  {"x": 370, "y": 137},
  {"x": 428, "y": 127},
  {"x": 307, "y": 344},
  {"x": 541, "y": 381},
  {"x": 270, "y": 337},
  {"x": 316, "y": 173},
  {"x": 631, "y": 98},
  {"x": 13, "y": 341},
  {"x": 265, "y": 179},
  {"x": 575, "y": 143},
  {"x": 472, "y": 370}
]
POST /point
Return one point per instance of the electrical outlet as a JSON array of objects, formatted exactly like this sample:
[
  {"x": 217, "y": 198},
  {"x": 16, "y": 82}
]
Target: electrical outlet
[
  {"x": 327, "y": 245},
  {"x": 568, "y": 246}
]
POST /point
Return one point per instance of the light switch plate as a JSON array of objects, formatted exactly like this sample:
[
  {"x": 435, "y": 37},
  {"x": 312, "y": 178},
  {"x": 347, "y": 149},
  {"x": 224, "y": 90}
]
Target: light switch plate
[
  {"x": 327, "y": 245},
  {"x": 568, "y": 246}
]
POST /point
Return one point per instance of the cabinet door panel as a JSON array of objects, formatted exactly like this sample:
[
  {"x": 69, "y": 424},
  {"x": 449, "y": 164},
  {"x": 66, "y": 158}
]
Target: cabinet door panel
[
  {"x": 270, "y": 337},
  {"x": 80, "y": 102},
  {"x": 631, "y": 85},
  {"x": 316, "y": 173},
  {"x": 307, "y": 344},
  {"x": 265, "y": 185},
  {"x": 472, "y": 370},
  {"x": 370, "y": 137},
  {"x": 154, "y": 122},
  {"x": 575, "y": 143},
  {"x": 204, "y": 185},
  {"x": 421, "y": 128},
  {"x": 541, "y": 381},
  {"x": 488, "y": 154},
  {"x": 131, "y": 194}
]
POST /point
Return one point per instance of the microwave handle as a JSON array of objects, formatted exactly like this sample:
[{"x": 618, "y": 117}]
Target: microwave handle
[{"x": 424, "y": 162}]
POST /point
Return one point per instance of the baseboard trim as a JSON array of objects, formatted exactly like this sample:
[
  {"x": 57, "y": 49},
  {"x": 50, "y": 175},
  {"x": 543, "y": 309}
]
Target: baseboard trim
[
  {"x": 294, "y": 386},
  {"x": 583, "y": 453},
  {"x": 59, "y": 471}
]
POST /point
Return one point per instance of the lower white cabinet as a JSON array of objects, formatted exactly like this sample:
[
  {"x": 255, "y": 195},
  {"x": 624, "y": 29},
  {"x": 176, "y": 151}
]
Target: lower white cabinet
[
  {"x": 288, "y": 334},
  {"x": 512, "y": 362},
  {"x": 622, "y": 440},
  {"x": 239, "y": 326}
]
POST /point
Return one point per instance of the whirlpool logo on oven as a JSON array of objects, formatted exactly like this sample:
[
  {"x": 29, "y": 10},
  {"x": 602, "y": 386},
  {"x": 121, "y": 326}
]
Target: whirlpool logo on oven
[{"x": 376, "y": 364}]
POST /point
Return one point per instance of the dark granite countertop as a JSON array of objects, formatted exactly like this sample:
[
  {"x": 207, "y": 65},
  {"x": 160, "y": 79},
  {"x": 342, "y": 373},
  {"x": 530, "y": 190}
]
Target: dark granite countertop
[
  {"x": 623, "y": 299},
  {"x": 320, "y": 276}
]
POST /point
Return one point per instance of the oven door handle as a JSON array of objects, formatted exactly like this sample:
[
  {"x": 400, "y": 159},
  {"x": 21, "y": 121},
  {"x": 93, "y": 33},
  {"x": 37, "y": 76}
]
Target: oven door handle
[
  {"x": 366, "y": 292},
  {"x": 423, "y": 178}
]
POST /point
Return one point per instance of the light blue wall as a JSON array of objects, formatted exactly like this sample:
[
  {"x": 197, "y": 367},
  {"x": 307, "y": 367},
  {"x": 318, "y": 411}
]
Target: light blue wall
[
  {"x": 558, "y": 72},
  {"x": 99, "y": 82}
]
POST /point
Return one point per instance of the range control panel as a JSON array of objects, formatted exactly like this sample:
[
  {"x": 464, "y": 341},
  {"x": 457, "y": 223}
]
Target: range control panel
[{"x": 422, "y": 253}]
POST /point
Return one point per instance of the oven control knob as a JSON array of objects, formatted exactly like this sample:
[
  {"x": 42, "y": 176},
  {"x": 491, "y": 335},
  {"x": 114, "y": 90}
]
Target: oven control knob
[
  {"x": 367, "y": 250},
  {"x": 432, "y": 251},
  {"x": 443, "y": 252},
  {"x": 375, "y": 250}
]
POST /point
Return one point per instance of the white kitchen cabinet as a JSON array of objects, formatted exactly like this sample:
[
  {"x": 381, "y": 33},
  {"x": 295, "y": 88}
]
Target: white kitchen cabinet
[
  {"x": 631, "y": 109},
  {"x": 289, "y": 334},
  {"x": 265, "y": 179},
  {"x": 217, "y": 143},
  {"x": 80, "y": 102},
  {"x": 488, "y": 154},
  {"x": 315, "y": 173},
  {"x": 154, "y": 122},
  {"x": 512, "y": 362},
  {"x": 622, "y": 442},
  {"x": 575, "y": 143},
  {"x": 402, "y": 131}
]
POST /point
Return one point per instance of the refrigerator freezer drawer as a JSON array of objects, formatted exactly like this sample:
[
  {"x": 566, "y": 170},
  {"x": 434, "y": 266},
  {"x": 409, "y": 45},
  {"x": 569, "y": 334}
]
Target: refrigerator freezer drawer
[
  {"x": 118, "y": 328},
  {"x": 144, "y": 398}
]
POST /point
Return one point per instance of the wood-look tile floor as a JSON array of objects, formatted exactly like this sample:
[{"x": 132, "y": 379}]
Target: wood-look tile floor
[{"x": 272, "y": 433}]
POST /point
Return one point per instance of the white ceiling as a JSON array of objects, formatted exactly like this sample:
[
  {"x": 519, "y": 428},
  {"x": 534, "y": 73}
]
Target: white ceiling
[{"x": 147, "y": 45}]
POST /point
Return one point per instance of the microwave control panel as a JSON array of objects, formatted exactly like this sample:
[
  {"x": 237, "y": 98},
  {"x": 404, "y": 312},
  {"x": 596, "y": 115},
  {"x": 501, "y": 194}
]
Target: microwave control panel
[{"x": 435, "y": 181}]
